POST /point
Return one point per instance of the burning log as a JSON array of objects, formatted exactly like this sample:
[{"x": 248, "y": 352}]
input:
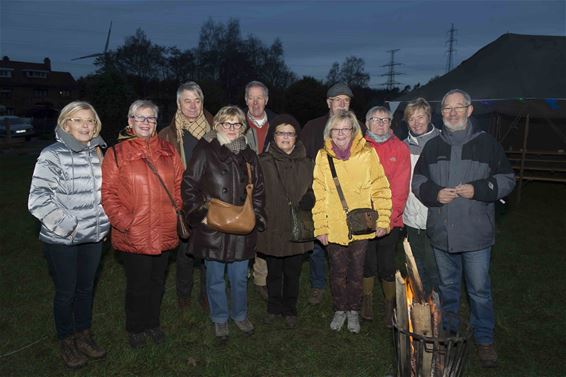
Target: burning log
[{"x": 413, "y": 272}]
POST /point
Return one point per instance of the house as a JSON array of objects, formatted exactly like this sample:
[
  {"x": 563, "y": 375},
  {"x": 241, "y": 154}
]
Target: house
[{"x": 33, "y": 89}]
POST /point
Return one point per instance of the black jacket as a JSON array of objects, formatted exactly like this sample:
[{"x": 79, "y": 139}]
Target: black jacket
[{"x": 216, "y": 172}]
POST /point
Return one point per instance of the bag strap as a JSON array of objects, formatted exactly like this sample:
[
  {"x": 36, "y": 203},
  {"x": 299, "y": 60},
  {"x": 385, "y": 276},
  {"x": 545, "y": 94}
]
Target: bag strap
[
  {"x": 249, "y": 166},
  {"x": 337, "y": 183},
  {"x": 154, "y": 170}
]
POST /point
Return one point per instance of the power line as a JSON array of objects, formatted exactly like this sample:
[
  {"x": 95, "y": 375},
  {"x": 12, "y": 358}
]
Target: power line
[
  {"x": 451, "y": 50},
  {"x": 391, "y": 83}
]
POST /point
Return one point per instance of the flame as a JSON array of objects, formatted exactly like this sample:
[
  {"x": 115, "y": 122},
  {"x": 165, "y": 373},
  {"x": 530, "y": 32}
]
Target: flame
[{"x": 410, "y": 296}]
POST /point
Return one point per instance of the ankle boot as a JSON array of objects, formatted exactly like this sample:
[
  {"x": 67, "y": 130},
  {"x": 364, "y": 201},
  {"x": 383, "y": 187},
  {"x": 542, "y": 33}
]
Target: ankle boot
[
  {"x": 87, "y": 346},
  {"x": 389, "y": 302},
  {"x": 71, "y": 356},
  {"x": 367, "y": 299}
]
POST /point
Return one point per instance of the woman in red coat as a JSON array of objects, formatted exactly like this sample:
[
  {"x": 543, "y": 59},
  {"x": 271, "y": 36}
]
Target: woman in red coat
[
  {"x": 142, "y": 216},
  {"x": 395, "y": 158}
]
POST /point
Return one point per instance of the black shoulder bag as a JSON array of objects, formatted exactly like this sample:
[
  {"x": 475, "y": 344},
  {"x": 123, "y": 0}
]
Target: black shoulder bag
[
  {"x": 302, "y": 225},
  {"x": 360, "y": 220}
]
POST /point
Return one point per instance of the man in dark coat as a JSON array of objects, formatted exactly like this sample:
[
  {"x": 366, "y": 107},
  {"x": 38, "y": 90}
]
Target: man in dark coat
[
  {"x": 338, "y": 98},
  {"x": 258, "y": 136},
  {"x": 190, "y": 123},
  {"x": 459, "y": 176}
]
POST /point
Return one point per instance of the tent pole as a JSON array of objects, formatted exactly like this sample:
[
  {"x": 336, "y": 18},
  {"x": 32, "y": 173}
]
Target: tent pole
[{"x": 523, "y": 156}]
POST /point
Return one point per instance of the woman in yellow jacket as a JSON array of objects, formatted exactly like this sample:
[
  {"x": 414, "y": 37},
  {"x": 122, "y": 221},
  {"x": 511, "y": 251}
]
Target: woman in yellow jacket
[{"x": 363, "y": 183}]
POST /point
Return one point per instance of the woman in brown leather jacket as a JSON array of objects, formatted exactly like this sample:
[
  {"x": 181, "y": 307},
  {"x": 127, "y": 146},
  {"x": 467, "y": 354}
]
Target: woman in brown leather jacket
[{"x": 217, "y": 169}]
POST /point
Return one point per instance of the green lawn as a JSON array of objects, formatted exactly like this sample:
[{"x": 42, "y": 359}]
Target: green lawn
[{"x": 528, "y": 279}]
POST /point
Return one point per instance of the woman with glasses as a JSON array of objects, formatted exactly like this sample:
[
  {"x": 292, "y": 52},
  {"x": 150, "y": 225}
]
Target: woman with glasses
[
  {"x": 218, "y": 169},
  {"x": 380, "y": 257},
  {"x": 364, "y": 185},
  {"x": 287, "y": 173},
  {"x": 65, "y": 197},
  {"x": 141, "y": 176}
]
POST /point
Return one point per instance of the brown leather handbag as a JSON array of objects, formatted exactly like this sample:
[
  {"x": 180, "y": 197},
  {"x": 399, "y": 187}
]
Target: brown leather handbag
[{"x": 229, "y": 218}]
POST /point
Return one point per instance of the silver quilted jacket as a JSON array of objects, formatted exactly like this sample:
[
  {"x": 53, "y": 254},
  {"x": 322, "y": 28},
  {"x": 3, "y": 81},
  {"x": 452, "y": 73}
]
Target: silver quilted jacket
[{"x": 65, "y": 192}]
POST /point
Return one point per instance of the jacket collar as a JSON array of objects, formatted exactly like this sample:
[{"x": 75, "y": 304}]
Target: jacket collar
[{"x": 75, "y": 145}]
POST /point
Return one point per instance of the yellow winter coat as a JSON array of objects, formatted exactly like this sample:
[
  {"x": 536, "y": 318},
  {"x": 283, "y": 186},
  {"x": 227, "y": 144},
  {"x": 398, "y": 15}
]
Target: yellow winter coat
[{"x": 362, "y": 179}]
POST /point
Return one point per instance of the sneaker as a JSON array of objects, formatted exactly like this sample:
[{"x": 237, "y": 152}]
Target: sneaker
[
  {"x": 87, "y": 346},
  {"x": 137, "y": 340},
  {"x": 156, "y": 334},
  {"x": 262, "y": 290},
  {"x": 316, "y": 296},
  {"x": 291, "y": 321},
  {"x": 353, "y": 321},
  {"x": 487, "y": 355},
  {"x": 71, "y": 356},
  {"x": 221, "y": 330},
  {"x": 246, "y": 326},
  {"x": 338, "y": 320}
]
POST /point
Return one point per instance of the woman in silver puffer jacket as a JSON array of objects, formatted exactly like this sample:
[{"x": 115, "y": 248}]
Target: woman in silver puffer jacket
[{"x": 65, "y": 196}]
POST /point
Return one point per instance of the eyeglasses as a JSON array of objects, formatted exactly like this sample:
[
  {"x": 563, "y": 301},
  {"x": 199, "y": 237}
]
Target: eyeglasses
[
  {"x": 228, "y": 125},
  {"x": 285, "y": 134},
  {"x": 343, "y": 131},
  {"x": 380, "y": 120},
  {"x": 142, "y": 119},
  {"x": 341, "y": 100},
  {"x": 81, "y": 121},
  {"x": 458, "y": 109}
]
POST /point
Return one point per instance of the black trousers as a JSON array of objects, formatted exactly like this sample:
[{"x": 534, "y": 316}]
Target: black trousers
[
  {"x": 283, "y": 275},
  {"x": 186, "y": 264},
  {"x": 380, "y": 256},
  {"x": 145, "y": 284}
]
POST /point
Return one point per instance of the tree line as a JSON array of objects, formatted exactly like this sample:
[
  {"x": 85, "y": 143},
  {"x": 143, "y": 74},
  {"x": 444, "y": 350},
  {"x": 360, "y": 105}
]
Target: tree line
[{"x": 222, "y": 63}]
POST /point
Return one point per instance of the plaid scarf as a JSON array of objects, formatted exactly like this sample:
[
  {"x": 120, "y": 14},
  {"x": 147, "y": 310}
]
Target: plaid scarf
[
  {"x": 197, "y": 128},
  {"x": 235, "y": 146}
]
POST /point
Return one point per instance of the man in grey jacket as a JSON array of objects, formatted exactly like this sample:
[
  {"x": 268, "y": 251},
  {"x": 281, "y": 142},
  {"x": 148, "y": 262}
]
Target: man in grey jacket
[{"x": 459, "y": 176}]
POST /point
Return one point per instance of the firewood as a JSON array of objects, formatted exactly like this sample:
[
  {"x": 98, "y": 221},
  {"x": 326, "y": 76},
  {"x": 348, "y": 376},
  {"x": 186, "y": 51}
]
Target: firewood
[
  {"x": 402, "y": 323},
  {"x": 421, "y": 318},
  {"x": 413, "y": 271}
]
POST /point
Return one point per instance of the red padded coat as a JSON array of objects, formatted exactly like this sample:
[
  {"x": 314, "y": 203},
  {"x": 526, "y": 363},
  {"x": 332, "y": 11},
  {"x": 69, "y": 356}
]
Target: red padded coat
[{"x": 142, "y": 216}]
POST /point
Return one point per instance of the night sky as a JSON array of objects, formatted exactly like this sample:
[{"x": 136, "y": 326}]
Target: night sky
[{"x": 314, "y": 33}]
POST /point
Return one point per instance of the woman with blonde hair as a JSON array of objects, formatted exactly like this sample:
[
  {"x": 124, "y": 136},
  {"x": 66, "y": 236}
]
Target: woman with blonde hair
[
  {"x": 363, "y": 184},
  {"x": 218, "y": 169},
  {"x": 65, "y": 198}
]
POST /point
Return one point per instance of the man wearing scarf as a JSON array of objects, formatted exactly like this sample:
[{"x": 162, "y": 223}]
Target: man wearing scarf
[
  {"x": 258, "y": 136},
  {"x": 190, "y": 123}
]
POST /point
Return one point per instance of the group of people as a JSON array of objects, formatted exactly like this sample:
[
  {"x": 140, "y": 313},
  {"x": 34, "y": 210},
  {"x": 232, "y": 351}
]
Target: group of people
[{"x": 439, "y": 185}]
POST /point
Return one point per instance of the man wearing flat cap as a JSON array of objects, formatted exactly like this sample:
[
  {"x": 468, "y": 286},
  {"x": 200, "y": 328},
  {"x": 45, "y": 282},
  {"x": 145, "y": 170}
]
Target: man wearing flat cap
[{"x": 338, "y": 98}]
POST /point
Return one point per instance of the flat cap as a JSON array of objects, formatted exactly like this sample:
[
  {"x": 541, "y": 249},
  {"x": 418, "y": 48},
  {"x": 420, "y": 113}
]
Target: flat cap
[{"x": 338, "y": 89}]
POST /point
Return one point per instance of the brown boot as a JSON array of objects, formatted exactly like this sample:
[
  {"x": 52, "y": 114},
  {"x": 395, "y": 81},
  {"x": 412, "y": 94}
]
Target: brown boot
[
  {"x": 87, "y": 346},
  {"x": 71, "y": 356},
  {"x": 367, "y": 299},
  {"x": 389, "y": 302}
]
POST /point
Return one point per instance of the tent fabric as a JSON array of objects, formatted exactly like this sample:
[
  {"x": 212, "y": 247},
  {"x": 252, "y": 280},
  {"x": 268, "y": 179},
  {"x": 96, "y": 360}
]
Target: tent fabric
[{"x": 513, "y": 66}]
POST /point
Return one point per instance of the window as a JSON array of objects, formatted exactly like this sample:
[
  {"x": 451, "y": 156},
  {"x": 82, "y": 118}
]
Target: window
[
  {"x": 64, "y": 93},
  {"x": 6, "y": 72},
  {"x": 40, "y": 92},
  {"x": 5, "y": 93},
  {"x": 36, "y": 74}
]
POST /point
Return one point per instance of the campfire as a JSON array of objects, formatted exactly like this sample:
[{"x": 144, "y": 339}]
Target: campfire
[{"x": 427, "y": 344}]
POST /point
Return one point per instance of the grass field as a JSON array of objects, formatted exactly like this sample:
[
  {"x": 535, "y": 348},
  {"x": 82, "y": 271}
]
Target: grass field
[{"x": 528, "y": 283}]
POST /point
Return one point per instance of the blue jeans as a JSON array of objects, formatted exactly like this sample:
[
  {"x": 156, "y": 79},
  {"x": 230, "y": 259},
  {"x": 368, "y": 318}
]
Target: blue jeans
[
  {"x": 73, "y": 270},
  {"x": 474, "y": 265},
  {"x": 317, "y": 263},
  {"x": 216, "y": 290}
]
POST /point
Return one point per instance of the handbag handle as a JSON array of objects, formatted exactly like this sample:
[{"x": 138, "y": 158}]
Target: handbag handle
[{"x": 154, "y": 170}]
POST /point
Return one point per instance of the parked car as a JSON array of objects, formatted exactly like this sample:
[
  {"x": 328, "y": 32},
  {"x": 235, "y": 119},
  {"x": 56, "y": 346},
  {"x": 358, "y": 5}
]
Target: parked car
[{"x": 19, "y": 127}]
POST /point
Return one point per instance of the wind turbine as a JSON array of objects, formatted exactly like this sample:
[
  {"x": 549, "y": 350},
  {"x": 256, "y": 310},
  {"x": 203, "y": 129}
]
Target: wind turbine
[{"x": 99, "y": 53}]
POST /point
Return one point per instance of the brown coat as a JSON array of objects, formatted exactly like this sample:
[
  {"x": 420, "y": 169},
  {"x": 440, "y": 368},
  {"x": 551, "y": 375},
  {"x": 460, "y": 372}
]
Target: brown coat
[{"x": 296, "y": 171}]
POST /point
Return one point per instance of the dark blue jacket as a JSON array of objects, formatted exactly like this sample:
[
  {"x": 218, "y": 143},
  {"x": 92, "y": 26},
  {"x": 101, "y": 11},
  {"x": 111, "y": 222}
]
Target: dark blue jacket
[{"x": 470, "y": 156}]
